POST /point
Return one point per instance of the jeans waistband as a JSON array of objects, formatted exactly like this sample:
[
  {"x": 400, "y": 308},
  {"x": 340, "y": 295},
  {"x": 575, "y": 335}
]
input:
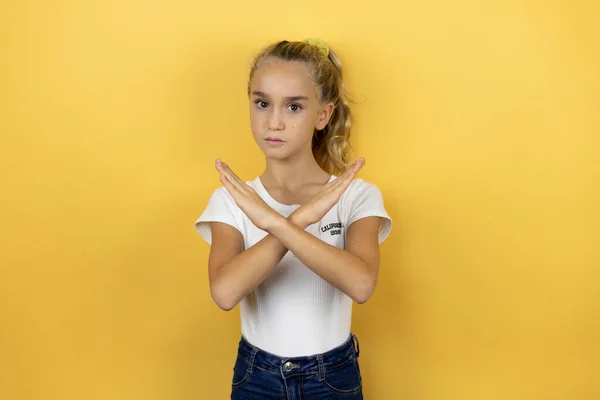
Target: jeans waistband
[{"x": 287, "y": 366}]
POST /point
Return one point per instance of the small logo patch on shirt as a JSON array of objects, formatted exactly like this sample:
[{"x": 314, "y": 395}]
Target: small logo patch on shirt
[{"x": 334, "y": 228}]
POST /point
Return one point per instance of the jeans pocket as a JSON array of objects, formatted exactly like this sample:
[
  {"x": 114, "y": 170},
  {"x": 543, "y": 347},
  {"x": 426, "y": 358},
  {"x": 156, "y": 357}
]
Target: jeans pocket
[
  {"x": 344, "y": 378},
  {"x": 241, "y": 372}
]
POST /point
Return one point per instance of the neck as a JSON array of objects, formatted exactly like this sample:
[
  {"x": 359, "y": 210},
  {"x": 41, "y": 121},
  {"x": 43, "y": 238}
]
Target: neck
[{"x": 293, "y": 173}]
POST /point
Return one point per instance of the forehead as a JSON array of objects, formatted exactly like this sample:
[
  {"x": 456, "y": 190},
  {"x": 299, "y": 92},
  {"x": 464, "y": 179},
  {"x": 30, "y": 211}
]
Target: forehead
[{"x": 280, "y": 78}]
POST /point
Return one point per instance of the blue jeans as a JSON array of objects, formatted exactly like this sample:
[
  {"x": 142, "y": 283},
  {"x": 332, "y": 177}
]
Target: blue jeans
[{"x": 334, "y": 374}]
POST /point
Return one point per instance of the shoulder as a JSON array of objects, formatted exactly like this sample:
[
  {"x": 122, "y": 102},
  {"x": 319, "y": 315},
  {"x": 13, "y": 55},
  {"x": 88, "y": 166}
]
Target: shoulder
[
  {"x": 360, "y": 183},
  {"x": 222, "y": 202},
  {"x": 361, "y": 195},
  {"x": 359, "y": 188},
  {"x": 364, "y": 199},
  {"x": 222, "y": 208},
  {"x": 222, "y": 196}
]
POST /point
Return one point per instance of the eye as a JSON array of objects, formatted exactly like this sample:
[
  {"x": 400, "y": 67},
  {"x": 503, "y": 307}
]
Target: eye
[
  {"x": 295, "y": 107},
  {"x": 261, "y": 103}
]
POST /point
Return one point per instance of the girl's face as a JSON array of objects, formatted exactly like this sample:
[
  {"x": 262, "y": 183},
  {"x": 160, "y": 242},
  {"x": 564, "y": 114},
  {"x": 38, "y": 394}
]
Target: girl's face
[{"x": 285, "y": 108}]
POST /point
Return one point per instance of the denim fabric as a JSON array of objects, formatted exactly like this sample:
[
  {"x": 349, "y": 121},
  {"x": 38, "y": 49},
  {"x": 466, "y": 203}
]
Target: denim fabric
[{"x": 335, "y": 374}]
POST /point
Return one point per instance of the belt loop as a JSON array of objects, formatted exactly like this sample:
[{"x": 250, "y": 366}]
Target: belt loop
[
  {"x": 357, "y": 348},
  {"x": 321, "y": 367},
  {"x": 252, "y": 356}
]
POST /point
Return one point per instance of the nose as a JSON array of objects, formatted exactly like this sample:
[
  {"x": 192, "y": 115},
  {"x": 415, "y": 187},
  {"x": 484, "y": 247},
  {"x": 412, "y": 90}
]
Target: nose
[{"x": 275, "y": 121}]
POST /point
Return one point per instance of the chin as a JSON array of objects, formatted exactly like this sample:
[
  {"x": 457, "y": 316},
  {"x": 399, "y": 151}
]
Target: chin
[{"x": 275, "y": 155}]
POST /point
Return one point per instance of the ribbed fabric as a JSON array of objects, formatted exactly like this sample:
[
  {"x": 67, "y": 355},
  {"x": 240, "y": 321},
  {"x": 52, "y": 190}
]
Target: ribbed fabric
[{"x": 295, "y": 312}]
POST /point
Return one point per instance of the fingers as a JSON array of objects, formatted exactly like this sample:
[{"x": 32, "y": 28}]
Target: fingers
[
  {"x": 346, "y": 178},
  {"x": 229, "y": 186},
  {"x": 232, "y": 181},
  {"x": 356, "y": 166},
  {"x": 340, "y": 178},
  {"x": 344, "y": 181},
  {"x": 228, "y": 180},
  {"x": 235, "y": 181}
]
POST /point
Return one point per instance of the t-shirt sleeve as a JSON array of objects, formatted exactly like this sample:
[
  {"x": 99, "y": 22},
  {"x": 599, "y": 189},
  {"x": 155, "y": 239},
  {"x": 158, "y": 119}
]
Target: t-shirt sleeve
[
  {"x": 366, "y": 200},
  {"x": 221, "y": 208}
]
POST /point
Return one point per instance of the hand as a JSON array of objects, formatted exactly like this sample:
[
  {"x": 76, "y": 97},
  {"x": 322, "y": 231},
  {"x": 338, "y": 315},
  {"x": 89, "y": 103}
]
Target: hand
[
  {"x": 315, "y": 209},
  {"x": 261, "y": 215}
]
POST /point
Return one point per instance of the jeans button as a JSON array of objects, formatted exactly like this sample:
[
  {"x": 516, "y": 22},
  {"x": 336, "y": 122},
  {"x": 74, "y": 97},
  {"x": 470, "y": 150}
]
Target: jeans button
[{"x": 287, "y": 366}]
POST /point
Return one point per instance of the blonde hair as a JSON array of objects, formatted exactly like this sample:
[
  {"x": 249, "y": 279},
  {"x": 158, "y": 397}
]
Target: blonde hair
[{"x": 331, "y": 146}]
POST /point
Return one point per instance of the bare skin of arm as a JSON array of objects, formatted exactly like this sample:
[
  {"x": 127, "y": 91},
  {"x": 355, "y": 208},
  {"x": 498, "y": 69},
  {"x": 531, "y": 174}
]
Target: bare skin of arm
[{"x": 234, "y": 273}]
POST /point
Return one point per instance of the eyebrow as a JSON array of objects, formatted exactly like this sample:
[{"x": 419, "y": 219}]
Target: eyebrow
[{"x": 288, "y": 98}]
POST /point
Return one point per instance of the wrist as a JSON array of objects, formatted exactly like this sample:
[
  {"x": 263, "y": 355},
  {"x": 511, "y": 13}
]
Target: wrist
[
  {"x": 277, "y": 221},
  {"x": 297, "y": 220}
]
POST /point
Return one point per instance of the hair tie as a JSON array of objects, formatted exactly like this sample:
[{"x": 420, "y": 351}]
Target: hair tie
[{"x": 323, "y": 48}]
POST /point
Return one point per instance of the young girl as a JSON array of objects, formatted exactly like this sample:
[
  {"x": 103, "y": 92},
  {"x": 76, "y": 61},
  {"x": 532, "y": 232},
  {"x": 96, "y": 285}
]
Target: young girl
[{"x": 299, "y": 243}]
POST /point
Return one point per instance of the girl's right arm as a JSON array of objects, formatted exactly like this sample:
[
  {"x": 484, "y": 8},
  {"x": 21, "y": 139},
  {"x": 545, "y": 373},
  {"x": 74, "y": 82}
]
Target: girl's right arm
[{"x": 234, "y": 272}]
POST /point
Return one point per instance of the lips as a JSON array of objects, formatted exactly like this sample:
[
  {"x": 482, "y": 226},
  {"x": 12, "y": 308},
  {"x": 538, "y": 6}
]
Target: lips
[{"x": 274, "y": 142}]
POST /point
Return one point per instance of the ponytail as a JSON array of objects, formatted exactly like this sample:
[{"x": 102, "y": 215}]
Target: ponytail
[{"x": 331, "y": 145}]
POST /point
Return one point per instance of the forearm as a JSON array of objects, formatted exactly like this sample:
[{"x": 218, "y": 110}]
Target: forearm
[
  {"x": 247, "y": 270},
  {"x": 342, "y": 269}
]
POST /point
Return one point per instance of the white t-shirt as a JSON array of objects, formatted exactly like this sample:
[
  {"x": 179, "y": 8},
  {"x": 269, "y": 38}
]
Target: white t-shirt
[{"x": 294, "y": 312}]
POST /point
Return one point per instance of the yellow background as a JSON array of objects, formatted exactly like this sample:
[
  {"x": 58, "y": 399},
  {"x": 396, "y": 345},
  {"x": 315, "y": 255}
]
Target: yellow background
[{"x": 479, "y": 121}]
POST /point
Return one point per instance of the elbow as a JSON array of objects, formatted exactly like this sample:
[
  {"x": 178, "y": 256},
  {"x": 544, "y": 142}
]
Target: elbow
[
  {"x": 364, "y": 292},
  {"x": 361, "y": 298},
  {"x": 222, "y": 298},
  {"x": 225, "y": 306}
]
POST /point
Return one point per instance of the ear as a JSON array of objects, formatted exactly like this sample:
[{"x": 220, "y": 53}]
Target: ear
[{"x": 325, "y": 113}]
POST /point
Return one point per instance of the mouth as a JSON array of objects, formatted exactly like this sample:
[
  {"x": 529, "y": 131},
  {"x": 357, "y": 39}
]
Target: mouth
[{"x": 273, "y": 141}]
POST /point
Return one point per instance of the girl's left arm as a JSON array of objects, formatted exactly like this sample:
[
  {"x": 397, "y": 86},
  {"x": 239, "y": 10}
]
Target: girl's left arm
[{"x": 353, "y": 270}]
